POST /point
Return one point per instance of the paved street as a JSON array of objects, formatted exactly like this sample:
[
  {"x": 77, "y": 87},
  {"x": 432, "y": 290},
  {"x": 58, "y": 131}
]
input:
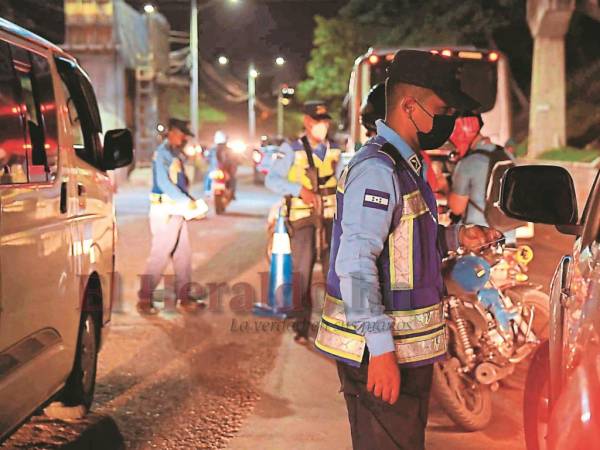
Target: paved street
[{"x": 179, "y": 382}]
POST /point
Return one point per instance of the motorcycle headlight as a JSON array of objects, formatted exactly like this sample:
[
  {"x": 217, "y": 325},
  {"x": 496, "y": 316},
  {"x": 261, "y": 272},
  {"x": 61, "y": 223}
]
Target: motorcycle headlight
[
  {"x": 217, "y": 175},
  {"x": 257, "y": 156}
]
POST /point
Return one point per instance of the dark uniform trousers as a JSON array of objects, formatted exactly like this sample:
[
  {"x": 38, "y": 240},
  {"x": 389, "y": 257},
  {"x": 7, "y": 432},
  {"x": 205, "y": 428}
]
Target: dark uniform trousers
[
  {"x": 304, "y": 254},
  {"x": 377, "y": 425}
]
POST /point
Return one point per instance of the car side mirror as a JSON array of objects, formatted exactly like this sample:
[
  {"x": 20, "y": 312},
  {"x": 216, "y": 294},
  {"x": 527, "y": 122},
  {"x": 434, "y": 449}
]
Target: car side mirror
[
  {"x": 540, "y": 194},
  {"x": 118, "y": 149}
]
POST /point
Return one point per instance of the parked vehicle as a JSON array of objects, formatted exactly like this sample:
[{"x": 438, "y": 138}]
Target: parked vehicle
[
  {"x": 495, "y": 320},
  {"x": 562, "y": 391},
  {"x": 57, "y": 227}
]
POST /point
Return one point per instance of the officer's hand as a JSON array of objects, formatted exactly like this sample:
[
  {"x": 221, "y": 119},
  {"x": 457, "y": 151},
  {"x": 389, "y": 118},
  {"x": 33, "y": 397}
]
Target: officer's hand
[
  {"x": 476, "y": 237},
  {"x": 383, "y": 379},
  {"x": 307, "y": 195}
]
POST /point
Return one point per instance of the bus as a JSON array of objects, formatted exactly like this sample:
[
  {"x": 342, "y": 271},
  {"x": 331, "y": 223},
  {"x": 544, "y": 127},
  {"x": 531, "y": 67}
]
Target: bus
[
  {"x": 488, "y": 65},
  {"x": 490, "y": 70}
]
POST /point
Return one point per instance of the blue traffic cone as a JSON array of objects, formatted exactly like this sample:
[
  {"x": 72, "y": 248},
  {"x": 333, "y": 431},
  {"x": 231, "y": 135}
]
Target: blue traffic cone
[{"x": 280, "y": 294}]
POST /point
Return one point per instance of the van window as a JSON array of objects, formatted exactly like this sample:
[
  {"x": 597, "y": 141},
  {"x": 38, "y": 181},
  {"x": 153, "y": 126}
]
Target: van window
[
  {"x": 32, "y": 95},
  {"x": 13, "y": 155},
  {"x": 85, "y": 110},
  {"x": 44, "y": 90},
  {"x": 74, "y": 125}
]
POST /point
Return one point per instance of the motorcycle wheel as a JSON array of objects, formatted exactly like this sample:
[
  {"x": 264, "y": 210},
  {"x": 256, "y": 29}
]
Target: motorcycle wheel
[
  {"x": 540, "y": 326},
  {"x": 219, "y": 204},
  {"x": 467, "y": 403},
  {"x": 536, "y": 409}
]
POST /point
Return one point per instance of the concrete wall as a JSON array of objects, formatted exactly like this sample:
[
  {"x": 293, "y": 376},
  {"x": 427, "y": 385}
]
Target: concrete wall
[{"x": 108, "y": 78}]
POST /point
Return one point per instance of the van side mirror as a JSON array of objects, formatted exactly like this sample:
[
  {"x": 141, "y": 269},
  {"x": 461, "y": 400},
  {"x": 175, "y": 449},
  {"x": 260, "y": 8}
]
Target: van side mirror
[
  {"x": 118, "y": 149},
  {"x": 540, "y": 194}
]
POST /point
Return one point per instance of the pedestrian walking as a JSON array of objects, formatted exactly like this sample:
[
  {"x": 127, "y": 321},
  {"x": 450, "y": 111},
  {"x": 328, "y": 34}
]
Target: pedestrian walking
[
  {"x": 170, "y": 201},
  {"x": 382, "y": 317}
]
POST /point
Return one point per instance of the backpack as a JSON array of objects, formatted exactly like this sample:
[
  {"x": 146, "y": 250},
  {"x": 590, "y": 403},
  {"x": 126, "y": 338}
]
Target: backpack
[{"x": 499, "y": 163}]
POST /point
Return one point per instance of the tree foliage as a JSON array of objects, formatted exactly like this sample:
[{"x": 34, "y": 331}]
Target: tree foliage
[
  {"x": 407, "y": 23},
  {"x": 496, "y": 24},
  {"x": 336, "y": 45}
]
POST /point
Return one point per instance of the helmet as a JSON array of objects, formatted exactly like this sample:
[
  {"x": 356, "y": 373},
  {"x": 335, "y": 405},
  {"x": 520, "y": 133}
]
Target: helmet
[
  {"x": 220, "y": 137},
  {"x": 373, "y": 107}
]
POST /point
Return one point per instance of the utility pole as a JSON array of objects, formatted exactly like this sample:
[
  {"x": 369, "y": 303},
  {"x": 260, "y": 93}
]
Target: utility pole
[
  {"x": 194, "y": 119},
  {"x": 280, "y": 112},
  {"x": 252, "y": 74}
]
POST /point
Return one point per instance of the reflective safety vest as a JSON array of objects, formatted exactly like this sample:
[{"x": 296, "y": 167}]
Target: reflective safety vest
[
  {"x": 409, "y": 272},
  {"x": 326, "y": 172}
]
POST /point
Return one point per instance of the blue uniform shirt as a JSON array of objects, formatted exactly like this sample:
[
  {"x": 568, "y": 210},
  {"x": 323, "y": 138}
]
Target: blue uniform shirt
[
  {"x": 364, "y": 234},
  {"x": 469, "y": 180},
  {"x": 277, "y": 178},
  {"x": 164, "y": 165}
]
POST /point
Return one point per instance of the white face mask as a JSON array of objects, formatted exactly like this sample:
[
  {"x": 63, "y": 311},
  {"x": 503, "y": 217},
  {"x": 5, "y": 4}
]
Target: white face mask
[{"x": 319, "y": 131}]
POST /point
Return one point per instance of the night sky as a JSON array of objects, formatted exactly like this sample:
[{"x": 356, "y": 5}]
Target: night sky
[
  {"x": 250, "y": 30},
  {"x": 247, "y": 31},
  {"x": 253, "y": 30}
]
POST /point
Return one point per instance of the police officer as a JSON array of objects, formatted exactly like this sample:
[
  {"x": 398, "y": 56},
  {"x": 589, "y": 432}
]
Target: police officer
[
  {"x": 372, "y": 110},
  {"x": 170, "y": 239},
  {"x": 288, "y": 177},
  {"x": 382, "y": 317}
]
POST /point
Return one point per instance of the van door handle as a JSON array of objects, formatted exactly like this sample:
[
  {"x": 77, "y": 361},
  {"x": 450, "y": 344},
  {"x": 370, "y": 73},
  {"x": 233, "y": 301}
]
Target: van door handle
[
  {"x": 63, "y": 197},
  {"x": 80, "y": 190}
]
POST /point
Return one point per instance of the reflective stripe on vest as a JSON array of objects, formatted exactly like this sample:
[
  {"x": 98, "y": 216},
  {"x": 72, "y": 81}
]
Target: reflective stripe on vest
[
  {"x": 419, "y": 334},
  {"x": 300, "y": 210},
  {"x": 401, "y": 242}
]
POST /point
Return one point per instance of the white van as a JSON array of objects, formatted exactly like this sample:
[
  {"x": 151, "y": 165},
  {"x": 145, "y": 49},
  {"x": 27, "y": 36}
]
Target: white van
[{"x": 57, "y": 226}]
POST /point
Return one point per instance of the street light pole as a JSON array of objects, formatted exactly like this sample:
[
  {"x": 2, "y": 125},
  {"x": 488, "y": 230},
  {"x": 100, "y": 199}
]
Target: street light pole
[
  {"x": 251, "y": 101},
  {"x": 280, "y": 112},
  {"x": 194, "y": 119}
]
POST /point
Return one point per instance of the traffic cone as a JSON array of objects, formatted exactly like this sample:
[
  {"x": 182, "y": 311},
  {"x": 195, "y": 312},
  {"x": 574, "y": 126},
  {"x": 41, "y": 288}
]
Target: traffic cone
[{"x": 280, "y": 294}]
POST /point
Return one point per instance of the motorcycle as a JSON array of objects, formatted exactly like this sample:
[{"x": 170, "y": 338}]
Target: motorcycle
[
  {"x": 221, "y": 190},
  {"x": 495, "y": 320}
]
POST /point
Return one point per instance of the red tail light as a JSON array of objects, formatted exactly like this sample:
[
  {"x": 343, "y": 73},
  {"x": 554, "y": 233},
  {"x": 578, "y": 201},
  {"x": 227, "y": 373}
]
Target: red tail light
[
  {"x": 373, "y": 59},
  {"x": 493, "y": 56}
]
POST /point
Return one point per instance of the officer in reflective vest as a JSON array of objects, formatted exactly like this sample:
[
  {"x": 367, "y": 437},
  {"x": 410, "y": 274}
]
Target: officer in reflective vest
[
  {"x": 382, "y": 318},
  {"x": 288, "y": 177},
  {"x": 170, "y": 239}
]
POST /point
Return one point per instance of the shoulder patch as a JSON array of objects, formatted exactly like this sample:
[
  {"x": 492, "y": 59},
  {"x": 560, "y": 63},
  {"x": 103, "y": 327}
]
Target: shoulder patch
[
  {"x": 376, "y": 199},
  {"x": 415, "y": 163}
]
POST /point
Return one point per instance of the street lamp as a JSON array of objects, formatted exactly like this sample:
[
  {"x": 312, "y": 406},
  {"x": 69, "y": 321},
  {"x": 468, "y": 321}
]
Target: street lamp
[
  {"x": 280, "y": 61},
  {"x": 223, "y": 60},
  {"x": 149, "y": 8}
]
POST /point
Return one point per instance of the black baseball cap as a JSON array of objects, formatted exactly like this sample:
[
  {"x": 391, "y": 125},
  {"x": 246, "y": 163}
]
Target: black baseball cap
[
  {"x": 432, "y": 71},
  {"x": 316, "y": 109},
  {"x": 181, "y": 125}
]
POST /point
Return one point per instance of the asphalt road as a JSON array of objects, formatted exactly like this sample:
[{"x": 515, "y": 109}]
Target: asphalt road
[{"x": 180, "y": 382}]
